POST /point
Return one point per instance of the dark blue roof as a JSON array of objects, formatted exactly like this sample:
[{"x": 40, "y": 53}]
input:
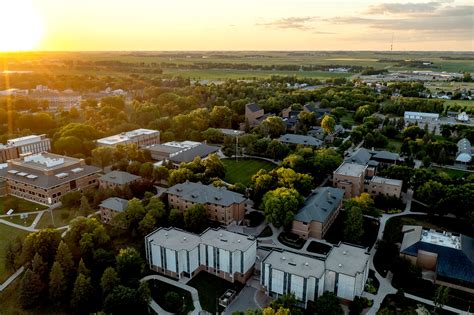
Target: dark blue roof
[{"x": 452, "y": 263}]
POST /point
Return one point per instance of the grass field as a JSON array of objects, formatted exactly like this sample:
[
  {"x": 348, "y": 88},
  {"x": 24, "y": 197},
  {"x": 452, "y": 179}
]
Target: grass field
[
  {"x": 465, "y": 103},
  {"x": 242, "y": 170},
  {"x": 62, "y": 217},
  {"x": 7, "y": 234},
  {"x": 21, "y": 205},
  {"x": 18, "y": 220},
  {"x": 453, "y": 173}
]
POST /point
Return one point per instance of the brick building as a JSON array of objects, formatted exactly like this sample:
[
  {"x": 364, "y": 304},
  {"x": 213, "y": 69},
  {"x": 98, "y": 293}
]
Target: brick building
[
  {"x": 45, "y": 177},
  {"x": 140, "y": 137},
  {"x": 14, "y": 148},
  {"x": 222, "y": 205}
]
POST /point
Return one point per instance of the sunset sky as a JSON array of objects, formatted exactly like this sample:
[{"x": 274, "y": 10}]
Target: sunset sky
[{"x": 236, "y": 25}]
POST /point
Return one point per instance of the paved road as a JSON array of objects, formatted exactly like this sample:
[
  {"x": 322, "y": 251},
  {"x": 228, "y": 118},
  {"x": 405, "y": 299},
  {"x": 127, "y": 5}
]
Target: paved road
[
  {"x": 12, "y": 278},
  {"x": 244, "y": 301},
  {"x": 193, "y": 291}
]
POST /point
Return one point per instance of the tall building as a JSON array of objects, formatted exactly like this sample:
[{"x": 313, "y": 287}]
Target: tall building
[
  {"x": 222, "y": 205},
  {"x": 14, "y": 148},
  {"x": 343, "y": 271},
  {"x": 45, "y": 177},
  {"x": 177, "y": 253},
  {"x": 140, "y": 137}
]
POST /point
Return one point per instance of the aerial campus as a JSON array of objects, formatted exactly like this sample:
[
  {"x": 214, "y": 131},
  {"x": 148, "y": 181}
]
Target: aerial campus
[{"x": 248, "y": 173}]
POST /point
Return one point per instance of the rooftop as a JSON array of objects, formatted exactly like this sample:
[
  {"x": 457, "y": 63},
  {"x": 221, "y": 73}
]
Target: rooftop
[
  {"x": 347, "y": 259},
  {"x": 126, "y": 136},
  {"x": 24, "y": 140},
  {"x": 45, "y": 161},
  {"x": 174, "y": 239},
  {"x": 115, "y": 203},
  {"x": 226, "y": 240},
  {"x": 253, "y": 107},
  {"x": 231, "y": 132},
  {"x": 119, "y": 177},
  {"x": 202, "y": 150},
  {"x": 388, "y": 181},
  {"x": 296, "y": 264},
  {"x": 351, "y": 169},
  {"x": 206, "y": 194},
  {"x": 320, "y": 204},
  {"x": 419, "y": 115},
  {"x": 300, "y": 139}
]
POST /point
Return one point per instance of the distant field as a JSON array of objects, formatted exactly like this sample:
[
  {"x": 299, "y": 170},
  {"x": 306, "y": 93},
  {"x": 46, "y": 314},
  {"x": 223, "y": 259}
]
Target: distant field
[
  {"x": 248, "y": 74},
  {"x": 468, "y": 104},
  {"x": 242, "y": 170}
]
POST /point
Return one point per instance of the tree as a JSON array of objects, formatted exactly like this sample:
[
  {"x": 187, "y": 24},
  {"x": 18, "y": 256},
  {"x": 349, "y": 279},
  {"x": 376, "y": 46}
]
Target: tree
[
  {"x": 365, "y": 202},
  {"x": 195, "y": 218},
  {"x": 31, "y": 288},
  {"x": 328, "y": 304},
  {"x": 328, "y": 123},
  {"x": 280, "y": 311},
  {"x": 44, "y": 242},
  {"x": 172, "y": 302},
  {"x": 175, "y": 218},
  {"x": 272, "y": 127},
  {"x": 440, "y": 298},
  {"x": 213, "y": 135},
  {"x": 362, "y": 112},
  {"x": 180, "y": 175},
  {"x": 132, "y": 216},
  {"x": 82, "y": 269},
  {"x": 221, "y": 117},
  {"x": 83, "y": 294},
  {"x": 276, "y": 150},
  {"x": 12, "y": 254},
  {"x": 285, "y": 302},
  {"x": 57, "y": 284},
  {"x": 280, "y": 205},
  {"x": 125, "y": 300},
  {"x": 71, "y": 199},
  {"x": 109, "y": 280},
  {"x": 353, "y": 225},
  {"x": 85, "y": 207},
  {"x": 213, "y": 167},
  {"x": 431, "y": 192},
  {"x": 160, "y": 173},
  {"x": 64, "y": 259},
  {"x": 146, "y": 170},
  {"x": 103, "y": 156},
  {"x": 40, "y": 267},
  {"x": 129, "y": 266}
]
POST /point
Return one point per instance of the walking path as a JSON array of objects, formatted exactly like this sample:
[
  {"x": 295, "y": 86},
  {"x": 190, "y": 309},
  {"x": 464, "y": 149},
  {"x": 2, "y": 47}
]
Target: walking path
[
  {"x": 193, "y": 291},
  {"x": 12, "y": 278}
]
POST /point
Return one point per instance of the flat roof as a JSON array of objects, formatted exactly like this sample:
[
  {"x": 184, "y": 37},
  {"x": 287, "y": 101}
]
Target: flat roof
[
  {"x": 320, "y": 204},
  {"x": 295, "y": 264},
  {"x": 300, "y": 139},
  {"x": 204, "y": 194},
  {"x": 24, "y": 140},
  {"x": 126, "y": 136},
  {"x": 347, "y": 259},
  {"x": 163, "y": 148},
  {"x": 227, "y": 240},
  {"x": 202, "y": 150},
  {"x": 351, "y": 169},
  {"x": 388, "y": 181},
  {"x": 174, "y": 239},
  {"x": 441, "y": 238},
  {"x": 119, "y": 177},
  {"x": 45, "y": 161}
]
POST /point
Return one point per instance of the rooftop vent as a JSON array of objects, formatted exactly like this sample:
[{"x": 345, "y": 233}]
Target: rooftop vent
[
  {"x": 238, "y": 241},
  {"x": 184, "y": 238},
  {"x": 292, "y": 264},
  {"x": 344, "y": 252},
  {"x": 340, "y": 265},
  {"x": 283, "y": 258},
  {"x": 62, "y": 175},
  {"x": 306, "y": 264}
]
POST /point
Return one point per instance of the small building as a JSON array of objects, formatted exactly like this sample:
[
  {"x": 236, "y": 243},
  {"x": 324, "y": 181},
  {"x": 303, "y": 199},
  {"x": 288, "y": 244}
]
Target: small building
[
  {"x": 350, "y": 177},
  {"x": 254, "y": 115},
  {"x": 222, "y": 205},
  {"x": 464, "y": 153},
  {"x": 314, "y": 108},
  {"x": 180, "y": 254},
  {"x": 110, "y": 207},
  {"x": 292, "y": 139},
  {"x": 449, "y": 256},
  {"x": 384, "y": 186},
  {"x": 117, "y": 179},
  {"x": 318, "y": 213},
  {"x": 464, "y": 117},
  {"x": 33, "y": 144},
  {"x": 203, "y": 150},
  {"x": 363, "y": 156},
  {"x": 45, "y": 177},
  {"x": 420, "y": 116},
  {"x": 140, "y": 137},
  {"x": 179, "y": 152}
]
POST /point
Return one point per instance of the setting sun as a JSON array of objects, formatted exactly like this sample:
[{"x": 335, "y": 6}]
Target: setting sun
[{"x": 20, "y": 26}]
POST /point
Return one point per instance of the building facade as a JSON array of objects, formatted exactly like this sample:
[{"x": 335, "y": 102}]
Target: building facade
[
  {"x": 44, "y": 178},
  {"x": 176, "y": 253},
  {"x": 110, "y": 207},
  {"x": 140, "y": 137},
  {"x": 319, "y": 212},
  {"x": 343, "y": 271},
  {"x": 117, "y": 179},
  {"x": 14, "y": 148},
  {"x": 222, "y": 205}
]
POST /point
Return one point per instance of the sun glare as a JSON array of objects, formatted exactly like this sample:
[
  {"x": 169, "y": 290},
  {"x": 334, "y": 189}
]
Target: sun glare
[{"x": 20, "y": 26}]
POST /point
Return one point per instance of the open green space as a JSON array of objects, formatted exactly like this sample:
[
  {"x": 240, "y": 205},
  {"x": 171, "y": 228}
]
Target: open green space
[
  {"x": 211, "y": 288},
  {"x": 61, "y": 217},
  {"x": 216, "y": 74},
  {"x": 7, "y": 234},
  {"x": 453, "y": 173},
  {"x": 18, "y": 205},
  {"x": 469, "y": 104},
  {"x": 18, "y": 220},
  {"x": 242, "y": 170},
  {"x": 158, "y": 291}
]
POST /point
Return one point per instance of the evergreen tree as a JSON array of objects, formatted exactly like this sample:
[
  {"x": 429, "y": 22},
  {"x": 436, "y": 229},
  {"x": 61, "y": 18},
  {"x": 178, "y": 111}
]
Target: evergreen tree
[
  {"x": 31, "y": 288},
  {"x": 353, "y": 225},
  {"x": 40, "y": 267},
  {"x": 82, "y": 269},
  {"x": 57, "y": 284},
  {"x": 85, "y": 207},
  {"x": 65, "y": 260},
  {"x": 109, "y": 280},
  {"x": 82, "y": 294}
]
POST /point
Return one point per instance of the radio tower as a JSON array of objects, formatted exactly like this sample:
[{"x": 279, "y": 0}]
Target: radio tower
[{"x": 391, "y": 45}]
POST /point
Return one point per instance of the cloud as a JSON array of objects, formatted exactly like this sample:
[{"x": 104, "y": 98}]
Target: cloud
[
  {"x": 294, "y": 23},
  {"x": 403, "y": 8}
]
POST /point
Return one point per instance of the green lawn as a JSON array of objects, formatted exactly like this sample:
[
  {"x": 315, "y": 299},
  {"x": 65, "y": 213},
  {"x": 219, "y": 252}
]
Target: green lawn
[
  {"x": 464, "y": 103},
  {"x": 159, "y": 289},
  {"x": 210, "y": 288},
  {"x": 21, "y": 205},
  {"x": 62, "y": 217},
  {"x": 394, "y": 144},
  {"x": 453, "y": 173},
  {"x": 7, "y": 234},
  {"x": 17, "y": 219},
  {"x": 242, "y": 170}
]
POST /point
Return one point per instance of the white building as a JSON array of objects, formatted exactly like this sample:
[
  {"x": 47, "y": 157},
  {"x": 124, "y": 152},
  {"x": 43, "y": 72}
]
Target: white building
[
  {"x": 178, "y": 253},
  {"x": 420, "y": 116},
  {"x": 141, "y": 137},
  {"x": 462, "y": 117},
  {"x": 343, "y": 271}
]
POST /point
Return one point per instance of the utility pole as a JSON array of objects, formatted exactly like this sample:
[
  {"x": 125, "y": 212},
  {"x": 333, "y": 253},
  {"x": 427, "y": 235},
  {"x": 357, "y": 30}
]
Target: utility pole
[{"x": 391, "y": 45}]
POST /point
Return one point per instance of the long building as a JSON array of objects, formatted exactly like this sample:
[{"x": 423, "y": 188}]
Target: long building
[
  {"x": 222, "y": 205},
  {"x": 45, "y": 177},
  {"x": 343, "y": 271},
  {"x": 14, "y": 148},
  {"x": 177, "y": 253},
  {"x": 140, "y": 137}
]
